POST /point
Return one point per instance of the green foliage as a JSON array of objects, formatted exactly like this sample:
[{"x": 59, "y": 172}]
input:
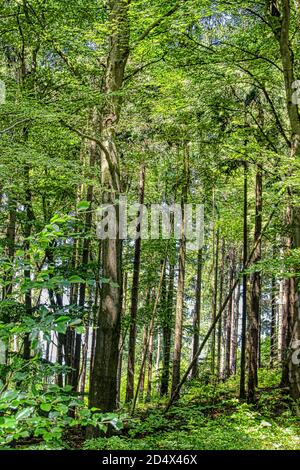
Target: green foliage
[
  {"x": 45, "y": 414},
  {"x": 212, "y": 418}
]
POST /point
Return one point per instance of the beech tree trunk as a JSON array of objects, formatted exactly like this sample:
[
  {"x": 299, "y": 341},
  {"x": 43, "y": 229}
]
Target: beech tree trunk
[
  {"x": 27, "y": 232},
  {"x": 142, "y": 372},
  {"x": 150, "y": 361},
  {"x": 180, "y": 289},
  {"x": 103, "y": 387},
  {"x": 254, "y": 310},
  {"x": 291, "y": 310},
  {"x": 244, "y": 312},
  {"x": 135, "y": 297},
  {"x": 167, "y": 333},
  {"x": 273, "y": 329},
  {"x": 234, "y": 332},
  {"x": 215, "y": 300},
  {"x": 221, "y": 286},
  {"x": 197, "y": 313},
  {"x": 229, "y": 318}
]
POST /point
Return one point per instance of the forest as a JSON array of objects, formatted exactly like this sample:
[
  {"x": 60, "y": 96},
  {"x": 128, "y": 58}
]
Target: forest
[{"x": 149, "y": 225}]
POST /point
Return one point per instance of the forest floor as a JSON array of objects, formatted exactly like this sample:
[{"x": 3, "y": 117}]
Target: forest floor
[
  {"x": 206, "y": 417},
  {"x": 212, "y": 418}
]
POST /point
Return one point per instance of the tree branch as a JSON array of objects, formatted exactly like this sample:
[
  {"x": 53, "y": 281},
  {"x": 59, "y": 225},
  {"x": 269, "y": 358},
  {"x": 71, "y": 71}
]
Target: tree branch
[{"x": 160, "y": 20}]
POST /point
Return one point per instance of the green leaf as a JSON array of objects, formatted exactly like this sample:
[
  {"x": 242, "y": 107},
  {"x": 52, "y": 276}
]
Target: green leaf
[
  {"x": 46, "y": 406},
  {"x": 117, "y": 424},
  {"x": 76, "y": 279},
  {"x": 25, "y": 413},
  {"x": 61, "y": 319},
  {"x": 83, "y": 205}
]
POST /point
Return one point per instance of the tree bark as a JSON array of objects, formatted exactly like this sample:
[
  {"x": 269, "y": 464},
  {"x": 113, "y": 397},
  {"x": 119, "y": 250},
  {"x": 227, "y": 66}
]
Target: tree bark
[
  {"x": 135, "y": 295},
  {"x": 244, "y": 312},
  {"x": 197, "y": 313},
  {"x": 291, "y": 311},
  {"x": 220, "y": 342},
  {"x": 181, "y": 280},
  {"x": 273, "y": 329},
  {"x": 215, "y": 300},
  {"x": 167, "y": 333},
  {"x": 254, "y": 310},
  {"x": 103, "y": 387}
]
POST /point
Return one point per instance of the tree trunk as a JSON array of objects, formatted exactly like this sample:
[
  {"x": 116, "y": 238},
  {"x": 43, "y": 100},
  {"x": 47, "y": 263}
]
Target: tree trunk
[
  {"x": 273, "y": 329},
  {"x": 244, "y": 311},
  {"x": 291, "y": 313},
  {"x": 215, "y": 300},
  {"x": 197, "y": 313},
  {"x": 122, "y": 340},
  {"x": 150, "y": 362},
  {"x": 103, "y": 387},
  {"x": 254, "y": 310},
  {"x": 27, "y": 232},
  {"x": 167, "y": 333},
  {"x": 220, "y": 342},
  {"x": 181, "y": 281},
  {"x": 142, "y": 372},
  {"x": 10, "y": 249},
  {"x": 157, "y": 361},
  {"x": 234, "y": 332},
  {"x": 229, "y": 319},
  {"x": 135, "y": 295}
]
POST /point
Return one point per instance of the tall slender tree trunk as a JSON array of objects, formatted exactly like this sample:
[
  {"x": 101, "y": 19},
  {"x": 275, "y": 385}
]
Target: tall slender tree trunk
[
  {"x": 135, "y": 295},
  {"x": 215, "y": 301},
  {"x": 229, "y": 319},
  {"x": 103, "y": 387},
  {"x": 197, "y": 313},
  {"x": 93, "y": 151},
  {"x": 234, "y": 332},
  {"x": 244, "y": 311},
  {"x": 10, "y": 248},
  {"x": 27, "y": 270},
  {"x": 291, "y": 310},
  {"x": 142, "y": 372},
  {"x": 273, "y": 329},
  {"x": 157, "y": 361},
  {"x": 254, "y": 310},
  {"x": 220, "y": 342},
  {"x": 122, "y": 339},
  {"x": 167, "y": 333},
  {"x": 181, "y": 279},
  {"x": 149, "y": 335},
  {"x": 150, "y": 361}
]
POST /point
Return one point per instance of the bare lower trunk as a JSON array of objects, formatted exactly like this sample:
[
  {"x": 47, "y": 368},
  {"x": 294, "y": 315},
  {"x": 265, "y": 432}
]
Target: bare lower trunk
[
  {"x": 197, "y": 313},
  {"x": 181, "y": 279},
  {"x": 167, "y": 333},
  {"x": 291, "y": 311},
  {"x": 150, "y": 363},
  {"x": 142, "y": 373},
  {"x": 234, "y": 330},
  {"x": 273, "y": 329},
  {"x": 135, "y": 297},
  {"x": 220, "y": 342},
  {"x": 254, "y": 310},
  {"x": 179, "y": 317},
  {"x": 244, "y": 311},
  {"x": 229, "y": 317},
  {"x": 103, "y": 387}
]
